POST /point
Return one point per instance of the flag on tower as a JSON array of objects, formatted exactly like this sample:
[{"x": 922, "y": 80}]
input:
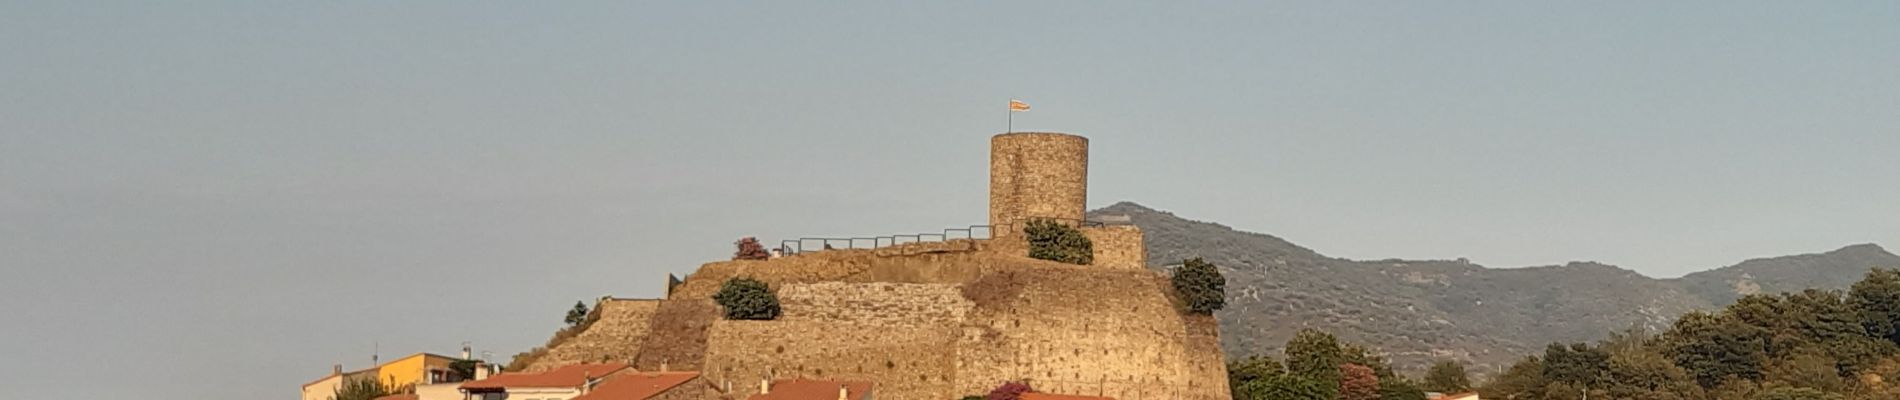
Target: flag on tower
[{"x": 1018, "y": 105}]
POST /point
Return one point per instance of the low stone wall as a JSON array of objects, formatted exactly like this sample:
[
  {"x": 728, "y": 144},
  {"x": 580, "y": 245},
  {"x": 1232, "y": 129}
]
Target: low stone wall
[{"x": 1117, "y": 246}]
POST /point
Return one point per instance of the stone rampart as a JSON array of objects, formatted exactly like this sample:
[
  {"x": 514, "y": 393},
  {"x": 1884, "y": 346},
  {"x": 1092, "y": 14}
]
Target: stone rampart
[
  {"x": 616, "y": 336},
  {"x": 1117, "y": 246},
  {"x": 939, "y": 324}
]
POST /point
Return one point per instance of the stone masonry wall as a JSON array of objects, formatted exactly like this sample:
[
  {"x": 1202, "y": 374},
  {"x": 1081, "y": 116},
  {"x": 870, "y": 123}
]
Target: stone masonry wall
[
  {"x": 1117, "y": 246},
  {"x": 1085, "y": 330},
  {"x": 940, "y": 324},
  {"x": 615, "y": 337},
  {"x": 1037, "y": 175},
  {"x": 899, "y": 335}
]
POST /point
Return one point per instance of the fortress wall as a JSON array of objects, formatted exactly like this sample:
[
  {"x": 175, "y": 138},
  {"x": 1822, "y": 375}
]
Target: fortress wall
[
  {"x": 1037, "y": 175},
  {"x": 906, "y": 362},
  {"x": 1117, "y": 246},
  {"x": 1085, "y": 330},
  {"x": 677, "y": 335},
  {"x": 816, "y": 267},
  {"x": 896, "y": 334},
  {"x": 877, "y": 304},
  {"x": 951, "y": 261},
  {"x": 617, "y": 335}
]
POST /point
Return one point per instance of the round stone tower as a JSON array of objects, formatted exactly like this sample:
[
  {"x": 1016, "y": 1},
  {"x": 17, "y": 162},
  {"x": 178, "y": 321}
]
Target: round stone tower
[{"x": 1037, "y": 175}]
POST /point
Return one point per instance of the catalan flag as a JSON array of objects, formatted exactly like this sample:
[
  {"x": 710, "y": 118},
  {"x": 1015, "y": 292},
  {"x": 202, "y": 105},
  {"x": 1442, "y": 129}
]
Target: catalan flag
[{"x": 1018, "y": 105}]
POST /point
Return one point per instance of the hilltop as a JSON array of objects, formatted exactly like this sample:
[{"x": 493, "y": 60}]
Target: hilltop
[
  {"x": 935, "y": 320},
  {"x": 1418, "y": 310}
]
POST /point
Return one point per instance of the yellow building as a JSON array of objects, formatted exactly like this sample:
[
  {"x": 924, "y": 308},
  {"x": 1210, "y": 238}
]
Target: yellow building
[{"x": 415, "y": 370}]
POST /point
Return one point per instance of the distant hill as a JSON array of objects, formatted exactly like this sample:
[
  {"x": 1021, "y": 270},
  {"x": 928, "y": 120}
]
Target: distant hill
[{"x": 1419, "y": 310}]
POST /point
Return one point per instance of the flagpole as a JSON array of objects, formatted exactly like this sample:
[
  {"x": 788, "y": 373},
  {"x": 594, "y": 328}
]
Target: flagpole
[{"x": 1010, "y": 125}]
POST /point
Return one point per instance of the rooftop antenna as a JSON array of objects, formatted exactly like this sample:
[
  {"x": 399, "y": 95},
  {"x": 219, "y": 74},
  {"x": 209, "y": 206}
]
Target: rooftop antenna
[{"x": 376, "y": 348}]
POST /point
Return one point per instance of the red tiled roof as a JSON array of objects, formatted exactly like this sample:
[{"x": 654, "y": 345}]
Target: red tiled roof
[
  {"x": 800, "y": 389},
  {"x": 568, "y": 376},
  {"x": 638, "y": 385},
  {"x": 1047, "y": 396}
]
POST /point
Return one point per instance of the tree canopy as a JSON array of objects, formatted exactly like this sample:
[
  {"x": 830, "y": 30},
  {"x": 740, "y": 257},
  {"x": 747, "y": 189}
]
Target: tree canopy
[
  {"x": 1055, "y": 241},
  {"x": 1808, "y": 345},
  {"x": 1200, "y": 285},
  {"x": 747, "y": 298}
]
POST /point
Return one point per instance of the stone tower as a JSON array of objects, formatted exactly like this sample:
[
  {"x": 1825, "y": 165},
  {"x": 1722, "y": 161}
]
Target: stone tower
[{"x": 1037, "y": 175}]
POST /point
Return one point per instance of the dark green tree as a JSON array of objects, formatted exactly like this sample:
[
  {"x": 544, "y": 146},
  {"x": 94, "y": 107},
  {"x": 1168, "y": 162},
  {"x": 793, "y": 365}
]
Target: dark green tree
[
  {"x": 747, "y": 298},
  {"x": 1201, "y": 286},
  {"x": 1284, "y": 387},
  {"x": 1315, "y": 356},
  {"x": 578, "y": 314},
  {"x": 1715, "y": 348},
  {"x": 1578, "y": 365},
  {"x": 1055, "y": 241},
  {"x": 464, "y": 369},
  {"x": 1251, "y": 369},
  {"x": 1399, "y": 389},
  {"x": 1524, "y": 380},
  {"x": 1877, "y": 297},
  {"x": 1447, "y": 376},
  {"x": 1641, "y": 373}
]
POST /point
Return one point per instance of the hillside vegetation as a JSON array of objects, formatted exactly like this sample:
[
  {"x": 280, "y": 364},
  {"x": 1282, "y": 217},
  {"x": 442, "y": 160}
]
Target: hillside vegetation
[{"x": 1419, "y": 311}]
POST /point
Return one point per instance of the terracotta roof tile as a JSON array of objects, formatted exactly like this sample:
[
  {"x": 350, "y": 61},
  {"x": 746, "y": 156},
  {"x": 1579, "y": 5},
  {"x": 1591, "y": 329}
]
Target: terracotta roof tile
[
  {"x": 638, "y": 385},
  {"x": 800, "y": 389},
  {"x": 568, "y": 376}
]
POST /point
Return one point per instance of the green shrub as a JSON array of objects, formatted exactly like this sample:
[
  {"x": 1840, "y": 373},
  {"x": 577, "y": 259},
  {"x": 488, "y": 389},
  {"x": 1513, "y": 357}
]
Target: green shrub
[
  {"x": 367, "y": 388},
  {"x": 1201, "y": 286},
  {"x": 1054, "y": 241},
  {"x": 747, "y": 298}
]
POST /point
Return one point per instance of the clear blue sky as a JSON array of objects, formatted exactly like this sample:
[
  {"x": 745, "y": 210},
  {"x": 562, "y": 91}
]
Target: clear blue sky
[{"x": 221, "y": 199}]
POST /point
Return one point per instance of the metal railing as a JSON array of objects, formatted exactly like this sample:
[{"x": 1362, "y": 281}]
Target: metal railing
[{"x": 797, "y": 246}]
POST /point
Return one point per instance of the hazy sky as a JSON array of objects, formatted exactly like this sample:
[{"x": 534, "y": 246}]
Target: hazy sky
[{"x": 219, "y": 200}]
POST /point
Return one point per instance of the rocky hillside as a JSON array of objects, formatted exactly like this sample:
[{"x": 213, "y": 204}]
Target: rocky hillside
[
  {"x": 1834, "y": 269},
  {"x": 1418, "y": 310}
]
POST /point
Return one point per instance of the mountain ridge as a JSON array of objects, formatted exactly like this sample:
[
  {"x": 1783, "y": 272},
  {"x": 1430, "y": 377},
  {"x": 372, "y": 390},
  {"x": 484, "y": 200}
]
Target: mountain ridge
[{"x": 1421, "y": 310}]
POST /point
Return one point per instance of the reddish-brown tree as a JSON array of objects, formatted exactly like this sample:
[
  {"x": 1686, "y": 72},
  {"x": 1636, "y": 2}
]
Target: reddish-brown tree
[
  {"x": 750, "y": 249},
  {"x": 1358, "y": 382}
]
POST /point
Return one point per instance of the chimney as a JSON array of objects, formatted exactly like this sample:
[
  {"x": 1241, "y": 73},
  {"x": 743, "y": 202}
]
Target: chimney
[
  {"x": 843, "y": 394},
  {"x": 481, "y": 370},
  {"x": 466, "y": 353},
  {"x": 765, "y": 386},
  {"x": 336, "y": 369},
  {"x": 662, "y": 367}
]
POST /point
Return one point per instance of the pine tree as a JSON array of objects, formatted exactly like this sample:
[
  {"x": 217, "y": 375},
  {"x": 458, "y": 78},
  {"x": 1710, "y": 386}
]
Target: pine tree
[{"x": 578, "y": 314}]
